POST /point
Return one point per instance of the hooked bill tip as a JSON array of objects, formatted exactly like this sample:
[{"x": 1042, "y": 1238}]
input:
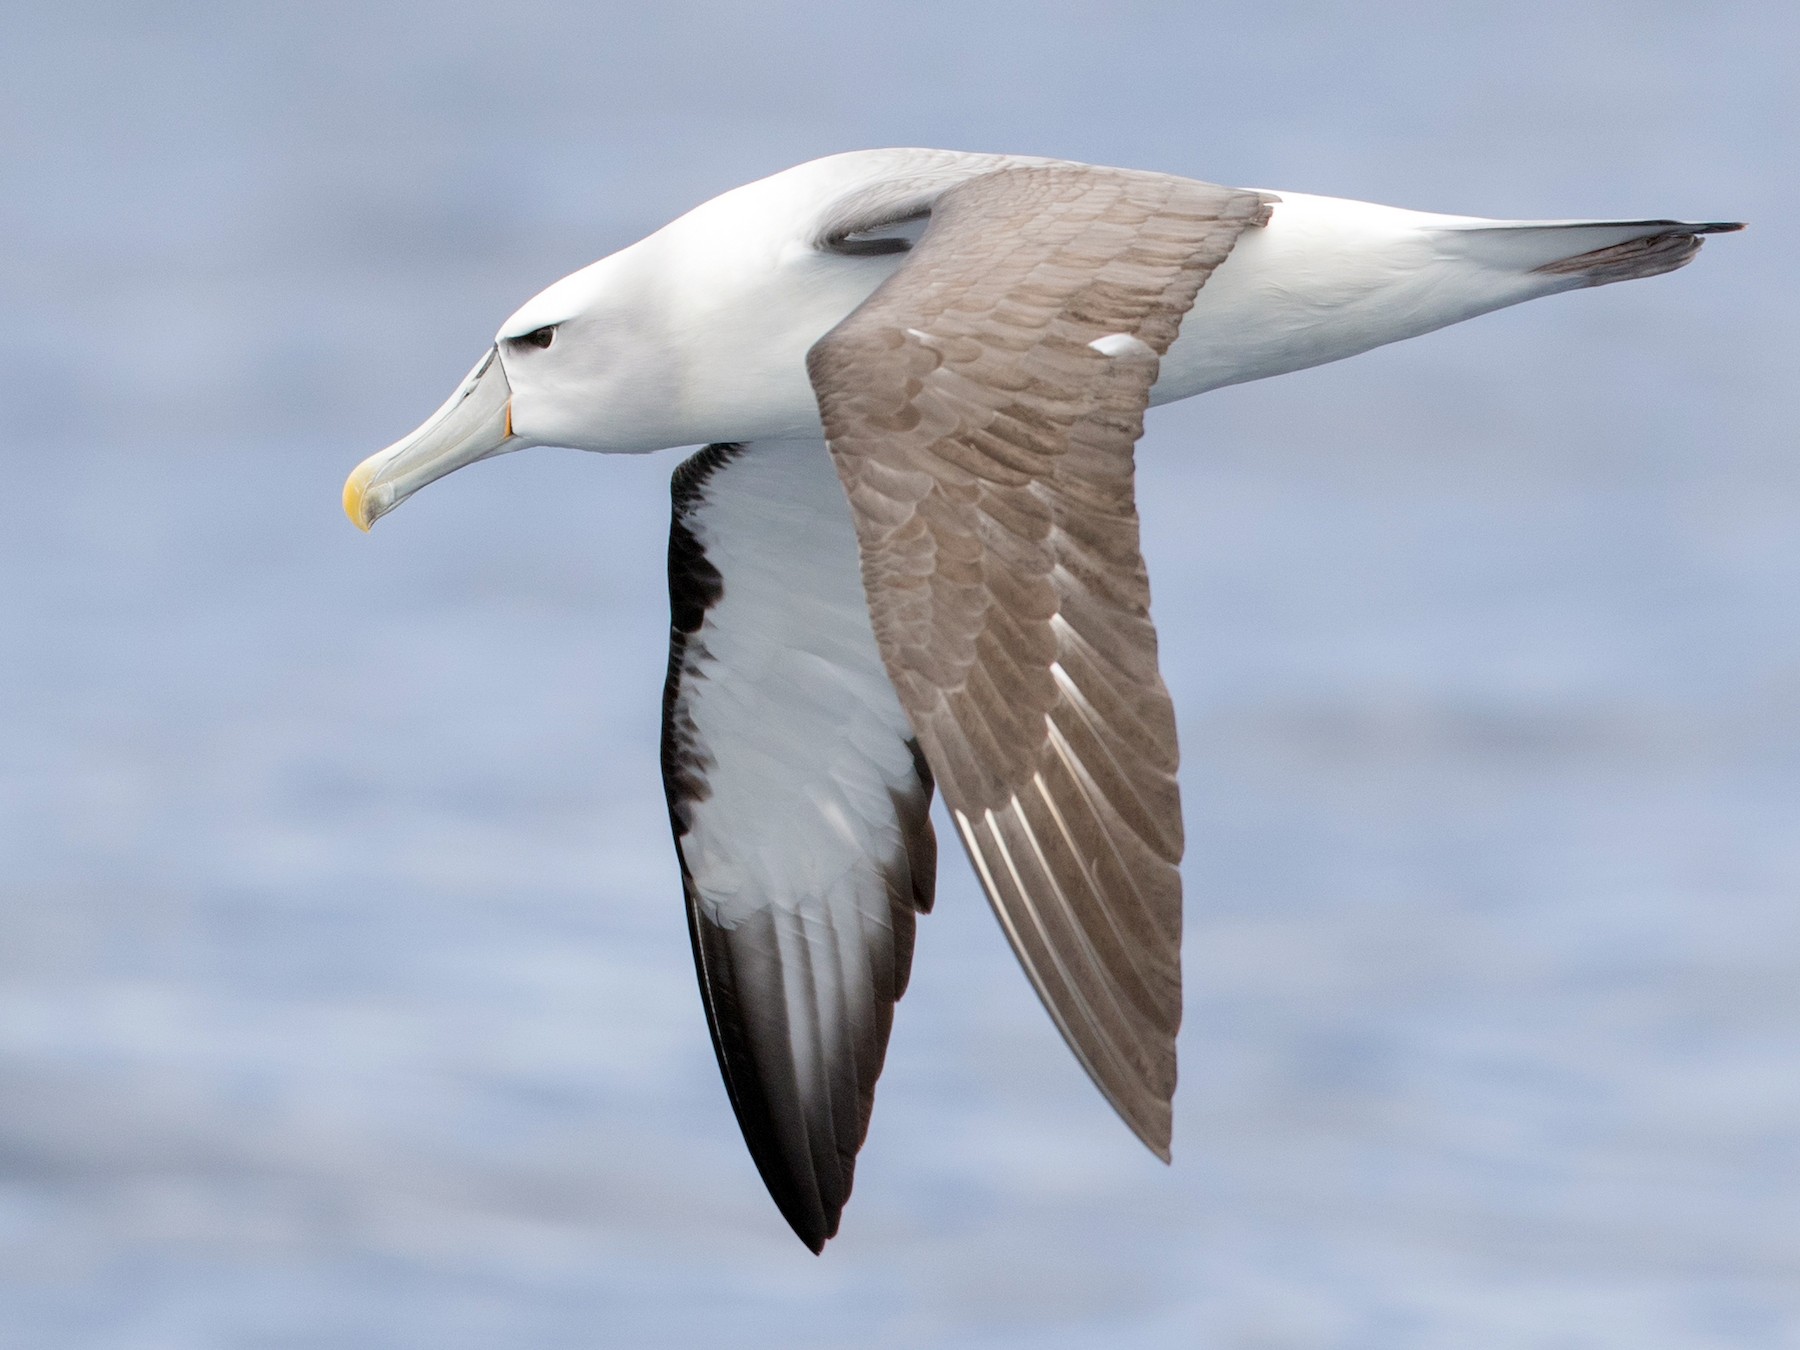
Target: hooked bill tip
[{"x": 356, "y": 488}]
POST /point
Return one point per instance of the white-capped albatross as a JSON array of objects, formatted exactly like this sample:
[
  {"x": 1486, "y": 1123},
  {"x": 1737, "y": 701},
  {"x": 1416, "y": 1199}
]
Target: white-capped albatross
[{"x": 908, "y": 556}]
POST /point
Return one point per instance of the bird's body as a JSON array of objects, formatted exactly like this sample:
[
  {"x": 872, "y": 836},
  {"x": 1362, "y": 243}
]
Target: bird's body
[
  {"x": 908, "y": 561},
  {"x": 726, "y": 300}
]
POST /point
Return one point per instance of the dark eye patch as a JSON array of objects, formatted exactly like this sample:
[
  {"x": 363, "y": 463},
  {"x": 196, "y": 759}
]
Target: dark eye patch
[{"x": 538, "y": 337}]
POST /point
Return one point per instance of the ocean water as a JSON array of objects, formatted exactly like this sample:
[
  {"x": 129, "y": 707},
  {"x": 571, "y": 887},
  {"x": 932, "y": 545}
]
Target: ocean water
[{"x": 345, "y": 998}]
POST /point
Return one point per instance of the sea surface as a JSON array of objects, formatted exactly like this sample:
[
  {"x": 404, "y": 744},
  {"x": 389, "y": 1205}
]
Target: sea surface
[{"x": 345, "y": 999}]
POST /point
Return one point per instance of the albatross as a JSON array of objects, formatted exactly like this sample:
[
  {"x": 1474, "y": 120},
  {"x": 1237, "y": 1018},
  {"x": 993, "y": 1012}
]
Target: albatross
[{"x": 907, "y": 560}]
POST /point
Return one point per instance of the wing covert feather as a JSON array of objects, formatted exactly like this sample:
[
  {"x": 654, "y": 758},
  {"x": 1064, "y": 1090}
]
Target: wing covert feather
[{"x": 982, "y": 407}]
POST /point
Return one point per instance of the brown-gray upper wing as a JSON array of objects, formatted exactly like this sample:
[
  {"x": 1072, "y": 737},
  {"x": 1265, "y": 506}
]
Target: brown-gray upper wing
[{"x": 981, "y": 407}]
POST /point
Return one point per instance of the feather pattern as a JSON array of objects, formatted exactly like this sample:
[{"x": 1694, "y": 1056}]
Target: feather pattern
[
  {"x": 982, "y": 407},
  {"x": 800, "y": 806}
]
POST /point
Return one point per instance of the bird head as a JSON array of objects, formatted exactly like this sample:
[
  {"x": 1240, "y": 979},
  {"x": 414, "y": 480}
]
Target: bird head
[
  {"x": 584, "y": 364},
  {"x": 697, "y": 333}
]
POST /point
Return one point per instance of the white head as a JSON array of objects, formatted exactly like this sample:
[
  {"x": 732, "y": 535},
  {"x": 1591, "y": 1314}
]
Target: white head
[
  {"x": 590, "y": 361},
  {"x": 698, "y": 333}
]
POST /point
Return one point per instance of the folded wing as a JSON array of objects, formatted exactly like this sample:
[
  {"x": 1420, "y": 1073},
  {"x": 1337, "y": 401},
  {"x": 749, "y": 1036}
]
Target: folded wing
[
  {"x": 800, "y": 807},
  {"x": 981, "y": 408}
]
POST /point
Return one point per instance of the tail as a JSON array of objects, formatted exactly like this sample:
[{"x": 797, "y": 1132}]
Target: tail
[{"x": 1587, "y": 252}]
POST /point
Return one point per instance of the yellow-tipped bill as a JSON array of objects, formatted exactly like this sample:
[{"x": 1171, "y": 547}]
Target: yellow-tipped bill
[{"x": 476, "y": 422}]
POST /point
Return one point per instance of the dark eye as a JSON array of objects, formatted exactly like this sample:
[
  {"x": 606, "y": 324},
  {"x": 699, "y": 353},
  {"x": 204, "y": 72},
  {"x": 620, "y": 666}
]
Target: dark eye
[{"x": 538, "y": 337}]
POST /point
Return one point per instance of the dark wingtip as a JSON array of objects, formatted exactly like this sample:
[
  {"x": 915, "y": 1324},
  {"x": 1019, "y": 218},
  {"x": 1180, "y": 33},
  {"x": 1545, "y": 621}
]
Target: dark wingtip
[
  {"x": 1719, "y": 227},
  {"x": 1154, "y": 1133},
  {"x": 812, "y": 1215},
  {"x": 813, "y": 1230}
]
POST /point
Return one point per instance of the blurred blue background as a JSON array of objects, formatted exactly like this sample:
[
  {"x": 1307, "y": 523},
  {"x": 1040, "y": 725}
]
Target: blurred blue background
[{"x": 345, "y": 998}]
